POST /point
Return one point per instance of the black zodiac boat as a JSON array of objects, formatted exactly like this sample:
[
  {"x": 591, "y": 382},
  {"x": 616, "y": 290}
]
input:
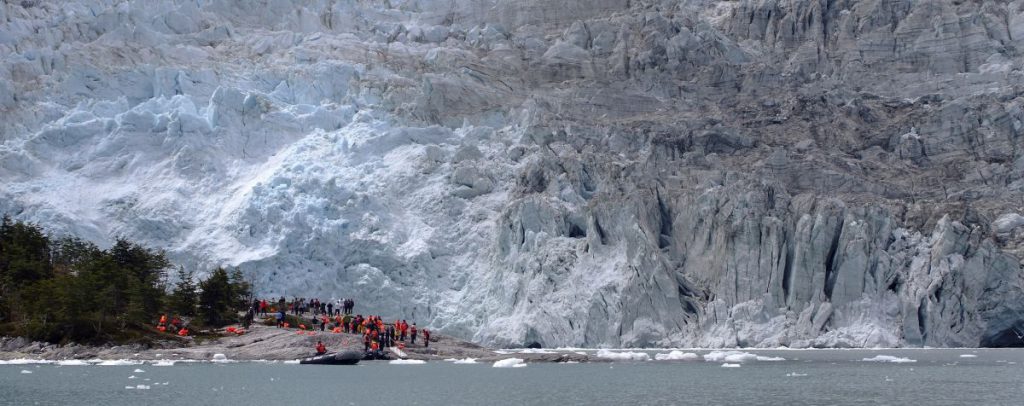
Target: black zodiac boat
[{"x": 338, "y": 358}]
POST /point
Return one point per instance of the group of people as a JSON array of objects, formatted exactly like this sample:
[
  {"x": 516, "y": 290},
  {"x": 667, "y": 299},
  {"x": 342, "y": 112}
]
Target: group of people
[
  {"x": 174, "y": 325},
  {"x": 300, "y": 306},
  {"x": 337, "y": 317}
]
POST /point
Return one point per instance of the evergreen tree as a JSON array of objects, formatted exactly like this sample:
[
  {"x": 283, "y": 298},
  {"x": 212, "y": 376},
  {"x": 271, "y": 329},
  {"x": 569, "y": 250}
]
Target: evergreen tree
[
  {"x": 215, "y": 299},
  {"x": 241, "y": 290},
  {"x": 184, "y": 298}
]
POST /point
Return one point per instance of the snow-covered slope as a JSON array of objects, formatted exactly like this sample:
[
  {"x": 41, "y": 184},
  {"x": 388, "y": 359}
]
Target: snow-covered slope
[{"x": 588, "y": 172}]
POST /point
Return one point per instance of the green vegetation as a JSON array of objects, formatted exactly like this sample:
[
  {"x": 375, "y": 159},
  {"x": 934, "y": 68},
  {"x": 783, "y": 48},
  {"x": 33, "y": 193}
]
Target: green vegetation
[{"x": 67, "y": 289}]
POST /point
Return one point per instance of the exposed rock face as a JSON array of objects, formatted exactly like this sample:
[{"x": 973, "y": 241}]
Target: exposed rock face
[{"x": 587, "y": 173}]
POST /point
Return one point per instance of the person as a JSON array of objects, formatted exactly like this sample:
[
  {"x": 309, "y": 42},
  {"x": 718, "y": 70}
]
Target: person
[
  {"x": 330, "y": 309},
  {"x": 412, "y": 333},
  {"x": 366, "y": 342},
  {"x": 183, "y": 332},
  {"x": 321, "y": 349},
  {"x": 263, "y": 307},
  {"x": 403, "y": 328},
  {"x": 426, "y": 338},
  {"x": 280, "y": 318}
]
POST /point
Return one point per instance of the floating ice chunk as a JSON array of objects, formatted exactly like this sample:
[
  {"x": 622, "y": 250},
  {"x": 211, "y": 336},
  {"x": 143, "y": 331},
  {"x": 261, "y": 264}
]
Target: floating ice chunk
[
  {"x": 137, "y": 370},
  {"x": 764, "y": 358},
  {"x": 140, "y": 386},
  {"x": 889, "y": 358},
  {"x": 164, "y": 363},
  {"x": 465, "y": 361},
  {"x": 291, "y": 361},
  {"x": 535, "y": 351},
  {"x": 24, "y": 361},
  {"x": 407, "y": 362},
  {"x": 968, "y": 356},
  {"x": 71, "y": 362},
  {"x": 220, "y": 358},
  {"x": 509, "y": 363},
  {"x": 25, "y": 371},
  {"x": 728, "y": 365},
  {"x": 729, "y": 356},
  {"x": 117, "y": 362},
  {"x": 676, "y": 355},
  {"x": 131, "y": 377},
  {"x": 129, "y": 387},
  {"x": 623, "y": 356},
  {"x": 792, "y": 374}
]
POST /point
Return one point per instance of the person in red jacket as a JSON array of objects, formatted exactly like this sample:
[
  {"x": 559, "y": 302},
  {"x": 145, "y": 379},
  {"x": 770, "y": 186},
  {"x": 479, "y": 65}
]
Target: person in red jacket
[
  {"x": 426, "y": 338},
  {"x": 412, "y": 333},
  {"x": 321, "y": 349}
]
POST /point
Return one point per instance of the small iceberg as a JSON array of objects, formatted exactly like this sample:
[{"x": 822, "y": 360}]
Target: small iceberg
[
  {"x": 676, "y": 355},
  {"x": 25, "y": 371},
  {"x": 968, "y": 356},
  {"x": 141, "y": 387},
  {"x": 71, "y": 362},
  {"x": 509, "y": 363},
  {"x": 163, "y": 363},
  {"x": 794, "y": 374},
  {"x": 407, "y": 362},
  {"x": 138, "y": 371},
  {"x": 623, "y": 356},
  {"x": 729, "y": 356},
  {"x": 729, "y": 365},
  {"x": 117, "y": 362},
  {"x": 889, "y": 358},
  {"x": 24, "y": 361},
  {"x": 220, "y": 358}
]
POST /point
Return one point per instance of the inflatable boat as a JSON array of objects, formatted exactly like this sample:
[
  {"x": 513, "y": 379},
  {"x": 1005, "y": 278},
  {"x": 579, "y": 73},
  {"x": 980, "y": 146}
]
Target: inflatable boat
[{"x": 338, "y": 358}]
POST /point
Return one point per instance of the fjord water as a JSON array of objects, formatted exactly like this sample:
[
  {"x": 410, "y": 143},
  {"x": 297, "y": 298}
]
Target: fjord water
[{"x": 806, "y": 377}]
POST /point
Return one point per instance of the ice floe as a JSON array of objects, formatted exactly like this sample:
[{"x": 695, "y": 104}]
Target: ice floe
[
  {"x": 407, "y": 362},
  {"x": 509, "y": 363},
  {"x": 676, "y": 355},
  {"x": 728, "y": 365},
  {"x": 623, "y": 356},
  {"x": 889, "y": 358}
]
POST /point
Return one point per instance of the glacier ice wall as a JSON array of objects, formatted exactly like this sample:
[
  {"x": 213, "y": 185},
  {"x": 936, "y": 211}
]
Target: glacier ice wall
[{"x": 588, "y": 173}]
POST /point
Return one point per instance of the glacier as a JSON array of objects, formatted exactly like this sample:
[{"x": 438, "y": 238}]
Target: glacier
[{"x": 585, "y": 173}]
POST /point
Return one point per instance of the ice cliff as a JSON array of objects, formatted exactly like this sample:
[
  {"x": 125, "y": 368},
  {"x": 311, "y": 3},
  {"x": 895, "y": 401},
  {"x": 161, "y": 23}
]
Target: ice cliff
[{"x": 828, "y": 173}]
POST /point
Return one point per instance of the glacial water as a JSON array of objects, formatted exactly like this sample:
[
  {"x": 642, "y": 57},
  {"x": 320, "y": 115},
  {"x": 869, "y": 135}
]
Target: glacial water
[{"x": 805, "y": 377}]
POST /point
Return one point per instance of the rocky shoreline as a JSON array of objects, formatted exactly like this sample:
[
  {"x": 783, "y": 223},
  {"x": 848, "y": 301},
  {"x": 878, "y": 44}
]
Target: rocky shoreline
[{"x": 261, "y": 343}]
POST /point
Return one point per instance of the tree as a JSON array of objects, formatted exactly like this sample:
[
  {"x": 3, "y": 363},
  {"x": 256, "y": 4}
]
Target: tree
[
  {"x": 185, "y": 297},
  {"x": 215, "y": 299},
  {"x": 241, "y": 290}
]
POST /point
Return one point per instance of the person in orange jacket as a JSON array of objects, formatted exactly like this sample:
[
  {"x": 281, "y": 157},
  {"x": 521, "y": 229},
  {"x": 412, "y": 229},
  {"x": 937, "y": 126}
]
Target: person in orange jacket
[
  {"x": 321, "y": 349},
  {"x": 412, "y": 333},
  {"x": 426, "y": 338}
]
